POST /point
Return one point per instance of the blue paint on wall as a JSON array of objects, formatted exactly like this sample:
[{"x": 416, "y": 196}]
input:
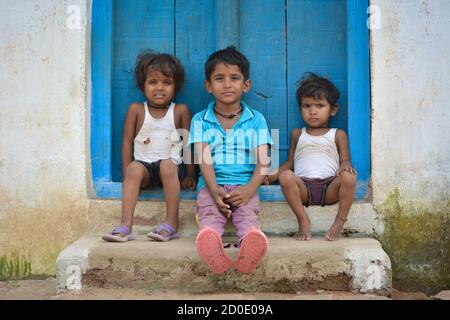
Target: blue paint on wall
[
  {"x": 101, "y": 69},
  {"x": 359, "y": 93}
]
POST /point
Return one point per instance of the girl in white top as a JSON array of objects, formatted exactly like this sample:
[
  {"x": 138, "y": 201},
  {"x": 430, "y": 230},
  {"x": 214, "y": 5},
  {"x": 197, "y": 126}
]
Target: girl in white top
[
  {"x": 158, "y": 138},
  {"x": 318, "y": 170},
  {"x": 150, "y": 136}
]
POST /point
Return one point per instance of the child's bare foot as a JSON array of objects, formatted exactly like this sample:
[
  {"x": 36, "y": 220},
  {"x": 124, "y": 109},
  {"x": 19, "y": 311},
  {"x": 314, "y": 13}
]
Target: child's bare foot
[
  {"x": 334, "y": 233},
  {"x": 304, "y": 232}
]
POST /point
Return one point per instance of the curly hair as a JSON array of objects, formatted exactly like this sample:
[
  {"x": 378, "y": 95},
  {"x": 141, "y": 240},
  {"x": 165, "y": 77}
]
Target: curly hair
[
  {"x": 317, "y": 87},
  {"x": 167, "y": 64}
]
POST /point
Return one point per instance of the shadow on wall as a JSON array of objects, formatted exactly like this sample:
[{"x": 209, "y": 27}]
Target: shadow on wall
[{"x": 418, "y": 243}]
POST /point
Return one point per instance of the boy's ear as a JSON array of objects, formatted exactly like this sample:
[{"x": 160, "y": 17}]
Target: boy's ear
[
  {"x": 334, "y": 110},
  {"x": 247, "y": 85},
  {"x": 207, "y": 86}
]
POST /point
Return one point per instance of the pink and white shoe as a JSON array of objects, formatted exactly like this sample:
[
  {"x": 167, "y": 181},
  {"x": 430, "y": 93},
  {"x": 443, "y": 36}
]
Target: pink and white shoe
[
  {"x": 253, "y": 249},
  {"x": 210, "y": 248}
]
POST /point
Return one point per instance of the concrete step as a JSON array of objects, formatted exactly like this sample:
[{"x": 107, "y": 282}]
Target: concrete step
[
  {"x": 275, "y": 217},
  {"x": 350, "y": 264}
]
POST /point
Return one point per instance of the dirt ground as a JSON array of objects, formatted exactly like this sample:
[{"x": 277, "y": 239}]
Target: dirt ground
[{"x": 46, "y": 290}]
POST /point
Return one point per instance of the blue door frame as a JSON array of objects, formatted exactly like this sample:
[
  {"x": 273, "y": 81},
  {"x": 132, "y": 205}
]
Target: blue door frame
[{"x": 358, "y": 96}]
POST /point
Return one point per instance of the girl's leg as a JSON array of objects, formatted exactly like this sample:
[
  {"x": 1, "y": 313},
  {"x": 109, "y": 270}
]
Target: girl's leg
[
  {"x": 136, "y": 177},
  {"x": 342, "y": 189},
  {"x": 168, "y": 172},
  {"x": 296, "y": 193}
]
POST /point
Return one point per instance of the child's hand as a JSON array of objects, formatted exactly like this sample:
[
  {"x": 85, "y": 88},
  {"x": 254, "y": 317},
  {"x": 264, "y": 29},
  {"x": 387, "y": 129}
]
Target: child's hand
[
  {"x": 188, "y": 183},
  {"x": 346, "y": 167},
  {"x": 219, "y": 198},
  {"x": 239, "y": 197}
]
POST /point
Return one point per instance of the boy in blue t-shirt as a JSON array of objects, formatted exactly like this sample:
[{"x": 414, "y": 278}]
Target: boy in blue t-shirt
[{"x": 232, "y": 143}]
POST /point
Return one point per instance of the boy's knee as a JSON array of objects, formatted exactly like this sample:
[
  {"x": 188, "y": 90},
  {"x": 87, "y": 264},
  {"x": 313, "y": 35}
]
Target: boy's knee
[
  {"x": 286, "y": 177},
  {"x": 167, "y": 168},
  {"x": 348, "y": 179}
]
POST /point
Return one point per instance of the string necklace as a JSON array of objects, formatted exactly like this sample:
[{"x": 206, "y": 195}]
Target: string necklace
[
  {"x": 159, "y": 108},
  {"x": 229, "y": 116}
]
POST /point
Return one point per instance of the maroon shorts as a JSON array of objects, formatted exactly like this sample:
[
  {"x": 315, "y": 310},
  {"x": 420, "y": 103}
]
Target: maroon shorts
[{"x": 317, "y": 189}]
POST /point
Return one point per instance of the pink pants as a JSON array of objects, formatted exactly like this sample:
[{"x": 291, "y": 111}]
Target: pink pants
[{"x": 244, "y": 218}]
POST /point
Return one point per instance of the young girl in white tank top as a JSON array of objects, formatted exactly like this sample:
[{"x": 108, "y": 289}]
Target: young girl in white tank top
[
  {"x": 318, "y": 171},
  {"x": 316, "y": 157},
  {"x": 158, "y": 139},
  {"x": 152, "y": 157}
]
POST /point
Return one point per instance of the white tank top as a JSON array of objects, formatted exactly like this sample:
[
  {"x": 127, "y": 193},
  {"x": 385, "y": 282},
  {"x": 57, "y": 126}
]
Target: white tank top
[
  {"x": 158, "y": 138},
  {"x": 316, "y": 157}
]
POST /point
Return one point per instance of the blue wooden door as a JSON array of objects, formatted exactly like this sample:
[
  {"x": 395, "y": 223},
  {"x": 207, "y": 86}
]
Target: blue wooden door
[{"x": 282, "y": 40}]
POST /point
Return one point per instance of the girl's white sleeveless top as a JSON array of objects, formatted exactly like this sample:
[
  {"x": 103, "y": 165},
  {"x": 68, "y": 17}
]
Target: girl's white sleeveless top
[
  {"x": 158, "y": 139},
  {"x": 316, "y": 157}
]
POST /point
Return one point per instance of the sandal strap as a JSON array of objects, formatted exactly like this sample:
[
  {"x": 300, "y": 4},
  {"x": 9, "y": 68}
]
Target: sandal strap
[
  {"x": 121, "y": 229},
  {"x": 342, "y": 219},
  {"x": 164, "y": 226}
]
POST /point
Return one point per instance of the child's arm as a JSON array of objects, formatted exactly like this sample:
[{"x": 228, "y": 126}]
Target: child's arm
[
  {"x": 242, "y": 195},
  {"x": 344, "y": 153},
  {"x": 128, "y": 136},
  {"x": 289, "y": 164},
  {"x": 185, "y": 123},
  {"x": 206, "y": 167}
]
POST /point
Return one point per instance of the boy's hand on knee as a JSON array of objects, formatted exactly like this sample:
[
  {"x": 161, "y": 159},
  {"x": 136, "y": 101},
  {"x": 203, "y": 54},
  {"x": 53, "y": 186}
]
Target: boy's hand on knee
[
  {"x": 220, "y": 198},
  {"x": 240, "y": 196}
]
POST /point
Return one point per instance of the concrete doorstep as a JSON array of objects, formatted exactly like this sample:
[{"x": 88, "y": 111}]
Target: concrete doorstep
[{"x": 350, "y": 264}]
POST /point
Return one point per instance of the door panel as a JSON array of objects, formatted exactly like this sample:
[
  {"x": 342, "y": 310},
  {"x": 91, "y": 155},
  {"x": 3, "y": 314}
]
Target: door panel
[
  {"x": 262, "y": 38},
  {"x": 195, "y": 41},
  {"x": 317, "y": 42}
]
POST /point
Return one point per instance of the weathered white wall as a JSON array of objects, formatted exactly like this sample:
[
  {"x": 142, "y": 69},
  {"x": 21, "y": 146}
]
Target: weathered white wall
[
  {"x": 43, "y": 143},
  {"x": 411, "y": 102}
]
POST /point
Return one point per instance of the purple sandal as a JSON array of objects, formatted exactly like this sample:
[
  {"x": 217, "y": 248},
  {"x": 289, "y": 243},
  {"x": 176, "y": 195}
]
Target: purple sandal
[
  {"x": 114, "y": 235},
  {"x": 156, "y": 234}
]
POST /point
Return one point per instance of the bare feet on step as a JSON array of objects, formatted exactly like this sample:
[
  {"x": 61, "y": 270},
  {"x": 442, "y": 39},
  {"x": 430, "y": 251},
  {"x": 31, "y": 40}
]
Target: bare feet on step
[
  {"x": 304, "y": 233},
  {"x": 334, "y": 233}
]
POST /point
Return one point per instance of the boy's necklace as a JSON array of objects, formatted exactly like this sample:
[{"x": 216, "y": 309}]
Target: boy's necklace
[{"x": 229, "y": 116}]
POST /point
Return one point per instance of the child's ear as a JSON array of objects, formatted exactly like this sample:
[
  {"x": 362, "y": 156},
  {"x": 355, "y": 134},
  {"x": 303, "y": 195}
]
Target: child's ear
[
  {"x": 334, "y": 110},
  {"x": 207, "y": 86},
  {"x": 247, "y": 85}
]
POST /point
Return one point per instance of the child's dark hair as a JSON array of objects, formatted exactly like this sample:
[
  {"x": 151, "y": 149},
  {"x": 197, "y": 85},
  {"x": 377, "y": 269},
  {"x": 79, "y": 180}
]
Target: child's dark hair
[
  {"x": 165, "y": 63},
  {"x": 314, "y": 86},
  {"x": 230, "y": 56}
]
